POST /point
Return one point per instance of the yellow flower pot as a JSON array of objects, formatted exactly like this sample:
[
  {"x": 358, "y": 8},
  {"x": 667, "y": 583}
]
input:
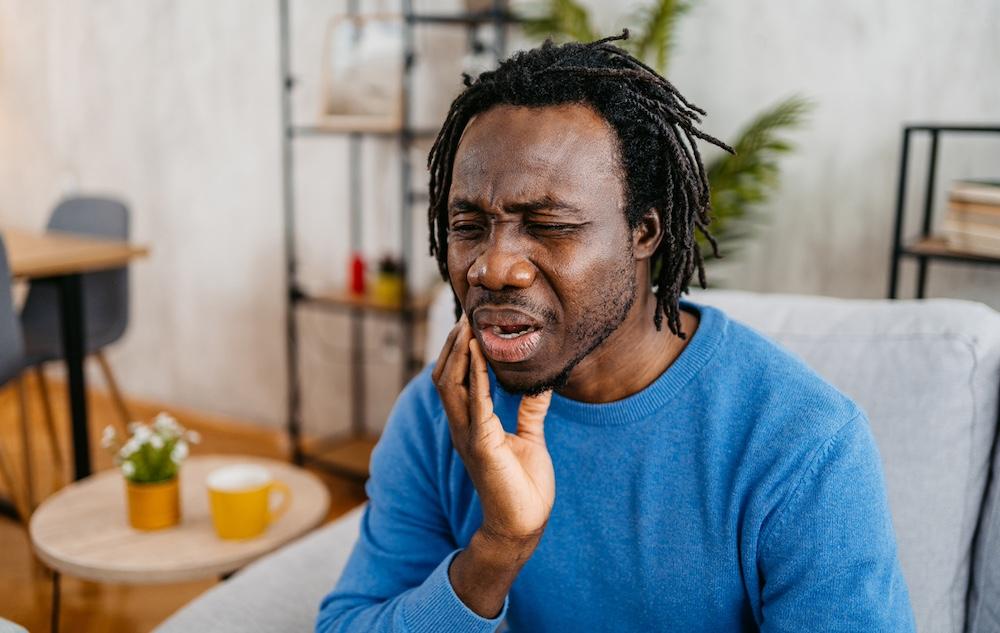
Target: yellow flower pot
[{"x": 153, "y": 506}]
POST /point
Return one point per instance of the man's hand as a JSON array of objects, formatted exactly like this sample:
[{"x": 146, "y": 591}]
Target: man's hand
[{"x": 512, "y": 473}]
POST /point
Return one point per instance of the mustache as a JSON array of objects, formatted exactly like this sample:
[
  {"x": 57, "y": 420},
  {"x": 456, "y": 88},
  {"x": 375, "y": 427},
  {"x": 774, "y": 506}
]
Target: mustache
[{"x": 490, "y": 297}]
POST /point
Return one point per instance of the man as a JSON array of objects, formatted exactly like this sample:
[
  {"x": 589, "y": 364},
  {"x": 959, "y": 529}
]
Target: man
[{"x": 566, "y": 464}]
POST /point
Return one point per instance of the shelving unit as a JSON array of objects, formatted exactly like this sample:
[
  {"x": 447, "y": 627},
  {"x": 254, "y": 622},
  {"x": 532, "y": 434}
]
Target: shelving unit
[
  {"x": 928, "y": 247},
  {"x": 348, "y": 455}
]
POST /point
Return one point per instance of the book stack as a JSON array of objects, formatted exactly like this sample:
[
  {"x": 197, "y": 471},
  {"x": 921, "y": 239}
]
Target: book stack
[{"x": 973, "y": 220}]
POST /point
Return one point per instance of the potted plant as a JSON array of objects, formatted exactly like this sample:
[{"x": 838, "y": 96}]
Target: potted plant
[
  {"x": 740, "y": 184},
  {"x": 150, "y": 459}
]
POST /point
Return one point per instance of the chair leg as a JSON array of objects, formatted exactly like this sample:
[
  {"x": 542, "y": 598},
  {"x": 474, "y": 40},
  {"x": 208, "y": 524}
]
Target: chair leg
[
  {"x": 116, "y": 394},
  {"x": 26, "y": 443},
  {"x": 50, "y": 425},
  {"x": 7, "y": 476}
]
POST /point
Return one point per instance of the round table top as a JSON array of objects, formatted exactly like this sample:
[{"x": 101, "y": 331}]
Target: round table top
[{"x": 83, "y": 529}]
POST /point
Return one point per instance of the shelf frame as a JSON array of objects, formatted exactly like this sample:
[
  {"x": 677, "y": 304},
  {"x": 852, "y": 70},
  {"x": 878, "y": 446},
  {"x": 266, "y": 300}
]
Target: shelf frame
[
  {"x": 414, "y": 308},
  {"x": 927, "y": 247}
]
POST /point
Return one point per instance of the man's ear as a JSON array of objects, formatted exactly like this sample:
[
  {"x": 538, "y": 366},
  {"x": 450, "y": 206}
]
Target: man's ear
[{"x": 647, "y": 234}]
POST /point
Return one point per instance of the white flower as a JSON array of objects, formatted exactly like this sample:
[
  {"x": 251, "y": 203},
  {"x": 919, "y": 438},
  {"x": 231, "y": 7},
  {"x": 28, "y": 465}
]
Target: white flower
[
  {"x": 165, "y": 424},
  {"x": 193, "y": 436},
  {"x": 156, "y": 442},
  {"x": 129, "y": 448},
  {"x": 109, "y": 436},
  {"x": 132, "y": 426},
  {"x": 128, "y": 469},
  {"x": 142, "y": 434},
  {"x": 180, "y": 452}
]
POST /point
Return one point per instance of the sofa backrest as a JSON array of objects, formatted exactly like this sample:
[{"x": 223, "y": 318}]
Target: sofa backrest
[{"x": 927, "y": 373}]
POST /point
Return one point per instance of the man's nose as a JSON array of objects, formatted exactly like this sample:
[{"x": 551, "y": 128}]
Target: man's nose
[{"x": 501, "y": 264}]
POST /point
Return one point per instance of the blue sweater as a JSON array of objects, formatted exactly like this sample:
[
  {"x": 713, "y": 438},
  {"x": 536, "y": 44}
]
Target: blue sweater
[{"x": 738, "y": 492}]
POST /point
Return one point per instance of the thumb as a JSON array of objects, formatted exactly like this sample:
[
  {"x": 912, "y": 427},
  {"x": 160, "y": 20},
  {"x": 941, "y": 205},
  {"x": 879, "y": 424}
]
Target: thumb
[{"x": 531, "y": 416}]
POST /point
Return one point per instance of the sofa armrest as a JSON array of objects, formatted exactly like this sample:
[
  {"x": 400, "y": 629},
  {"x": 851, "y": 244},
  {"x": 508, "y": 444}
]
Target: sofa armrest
[{"x": 279, "y": 592}]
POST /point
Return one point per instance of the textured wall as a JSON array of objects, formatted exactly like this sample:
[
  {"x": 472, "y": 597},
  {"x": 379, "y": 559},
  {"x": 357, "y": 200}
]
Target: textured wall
[{"x": 174, "y": 106}]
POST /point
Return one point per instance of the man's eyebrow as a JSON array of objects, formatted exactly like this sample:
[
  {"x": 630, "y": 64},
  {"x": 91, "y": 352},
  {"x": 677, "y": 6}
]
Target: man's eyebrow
[{"x": 464, "y": 205}]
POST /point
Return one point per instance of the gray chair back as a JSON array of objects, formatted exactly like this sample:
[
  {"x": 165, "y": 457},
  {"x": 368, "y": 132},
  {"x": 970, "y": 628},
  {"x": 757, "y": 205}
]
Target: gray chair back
[
  {"x": 11, "y": 344},
  {"x": 105, "y": 293}
]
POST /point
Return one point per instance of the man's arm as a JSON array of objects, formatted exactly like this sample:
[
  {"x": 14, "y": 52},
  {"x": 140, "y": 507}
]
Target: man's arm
[
  {"x": 828, "y": 560},
  {"x": 404, "y": 533},
  {"x": 396, "y": 578}
]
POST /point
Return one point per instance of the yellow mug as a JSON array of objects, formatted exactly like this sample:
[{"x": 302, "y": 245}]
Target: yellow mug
[{"x": 240, "y": 500}]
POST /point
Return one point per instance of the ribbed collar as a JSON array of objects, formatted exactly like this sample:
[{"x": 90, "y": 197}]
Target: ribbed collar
[{"x": 712, "y": 328}]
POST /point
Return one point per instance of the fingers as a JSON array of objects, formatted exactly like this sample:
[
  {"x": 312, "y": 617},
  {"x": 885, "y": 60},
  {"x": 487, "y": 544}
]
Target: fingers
[
  {"x": 531, "y": 416},
  {"x": 446, "y": 349},
  {"x": 480, "y": 402},
  {"x": 451, "y": 379}
]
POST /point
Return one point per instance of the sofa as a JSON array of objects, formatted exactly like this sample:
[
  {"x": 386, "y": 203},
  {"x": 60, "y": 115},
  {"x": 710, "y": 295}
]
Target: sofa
[{"x": 927, "y": 372}]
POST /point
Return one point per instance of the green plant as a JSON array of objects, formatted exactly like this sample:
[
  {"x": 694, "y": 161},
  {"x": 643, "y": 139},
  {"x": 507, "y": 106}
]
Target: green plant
[
  {"x": 740, "y": 184},
  {"x": 152, "y": 453}
]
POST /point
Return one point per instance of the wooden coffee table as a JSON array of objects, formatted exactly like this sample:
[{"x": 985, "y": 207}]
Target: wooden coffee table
[{"x": 83, "y": 529}]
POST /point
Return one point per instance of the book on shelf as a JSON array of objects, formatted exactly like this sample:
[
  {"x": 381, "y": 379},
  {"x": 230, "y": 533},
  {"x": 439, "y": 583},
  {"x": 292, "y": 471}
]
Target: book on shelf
[
  {"x": 984, "y": 192},
  {"x": 970, "y": 213},
  {"x": 972, "y": 237},
  {"x": 972, "y": 223}
]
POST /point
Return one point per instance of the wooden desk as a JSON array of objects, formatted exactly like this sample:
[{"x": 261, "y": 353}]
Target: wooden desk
[
  {"x": 62, "y": 259},
  {"x": 83, "y": 529}
]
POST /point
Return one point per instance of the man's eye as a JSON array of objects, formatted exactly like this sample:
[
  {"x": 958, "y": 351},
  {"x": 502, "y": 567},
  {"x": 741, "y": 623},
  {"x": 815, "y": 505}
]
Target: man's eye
[
  {"x": 549, "y": 228},
  {"x": 465, "y": 228}
]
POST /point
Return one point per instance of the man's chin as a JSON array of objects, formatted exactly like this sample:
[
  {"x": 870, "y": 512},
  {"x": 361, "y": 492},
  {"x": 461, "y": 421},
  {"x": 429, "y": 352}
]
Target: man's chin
[{"x": 530, "y": 384}]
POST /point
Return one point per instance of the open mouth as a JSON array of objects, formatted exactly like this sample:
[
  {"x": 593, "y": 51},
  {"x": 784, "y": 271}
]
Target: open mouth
[
  {"x": 511, "y": 332},
  {"x": 507, "y": 336}
]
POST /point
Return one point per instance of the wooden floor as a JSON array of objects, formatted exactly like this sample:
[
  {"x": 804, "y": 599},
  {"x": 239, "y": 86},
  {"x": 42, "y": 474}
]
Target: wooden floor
[{"x": 25, "y": 584}]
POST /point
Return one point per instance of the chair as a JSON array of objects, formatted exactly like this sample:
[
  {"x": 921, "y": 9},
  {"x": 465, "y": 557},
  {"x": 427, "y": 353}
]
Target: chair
[
  {"x": 105, "y": 299},
  {"x": 12, "y": 362}
]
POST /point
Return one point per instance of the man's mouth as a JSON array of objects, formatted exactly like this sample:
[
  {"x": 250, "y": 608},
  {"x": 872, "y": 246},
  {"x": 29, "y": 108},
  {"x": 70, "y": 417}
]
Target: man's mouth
[{"x": 508, "y": 336}]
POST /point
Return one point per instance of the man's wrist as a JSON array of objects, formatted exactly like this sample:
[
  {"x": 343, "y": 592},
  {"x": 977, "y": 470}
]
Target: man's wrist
[
  {"x": 500, "y": 552},
  {"x": 483, "y": 572}
]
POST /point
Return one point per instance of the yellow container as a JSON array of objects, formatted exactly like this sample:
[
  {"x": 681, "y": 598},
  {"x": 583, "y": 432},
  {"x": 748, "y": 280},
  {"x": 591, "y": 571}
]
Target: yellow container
[
  {"x": 240, "y": 500},
  {"x": 153, "y": 506},
  {"x": 388, "y": 290}
]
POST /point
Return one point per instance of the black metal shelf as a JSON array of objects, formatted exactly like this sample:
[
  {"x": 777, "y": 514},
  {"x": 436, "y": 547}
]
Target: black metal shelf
[
  {"x": 463, "y": 19},
  {"x": 343, "y": 455},
  {"x": 319, "y": 130},
  {"x": 928, "y": 247}
]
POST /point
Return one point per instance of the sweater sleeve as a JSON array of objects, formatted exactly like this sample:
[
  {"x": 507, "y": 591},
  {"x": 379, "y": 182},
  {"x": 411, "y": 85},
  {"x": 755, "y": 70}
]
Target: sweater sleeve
[
  {"x": 829, "y": 560},
  {"x": 396, "y": 578}
]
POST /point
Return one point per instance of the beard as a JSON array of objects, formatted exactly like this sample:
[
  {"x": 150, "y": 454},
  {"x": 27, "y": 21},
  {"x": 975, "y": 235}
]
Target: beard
[{"x": 596, "y": 324}]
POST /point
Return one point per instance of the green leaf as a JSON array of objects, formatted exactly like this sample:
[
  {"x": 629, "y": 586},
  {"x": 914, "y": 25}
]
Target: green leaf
[
  {"x": 742, "y": 182},
  {"x": 655, "y": 40},
  {"x": 559, "y": 19}
]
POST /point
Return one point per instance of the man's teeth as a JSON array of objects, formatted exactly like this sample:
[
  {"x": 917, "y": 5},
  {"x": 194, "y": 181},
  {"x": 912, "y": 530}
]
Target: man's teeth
[{"x": 509, "y": 335}]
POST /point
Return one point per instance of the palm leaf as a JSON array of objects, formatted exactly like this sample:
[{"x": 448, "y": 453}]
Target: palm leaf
[
  {"x": 740, "y": 183},
  {"x": 559, "y": 19},
  {"x": 655, "y": 39}
]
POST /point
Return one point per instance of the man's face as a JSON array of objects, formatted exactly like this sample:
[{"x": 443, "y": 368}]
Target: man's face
[{"x": 539, "y": 250}]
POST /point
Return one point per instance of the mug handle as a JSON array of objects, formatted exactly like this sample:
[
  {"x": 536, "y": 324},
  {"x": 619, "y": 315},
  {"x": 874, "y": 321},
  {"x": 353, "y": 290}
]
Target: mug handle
[{"x": 286, "y": 501}]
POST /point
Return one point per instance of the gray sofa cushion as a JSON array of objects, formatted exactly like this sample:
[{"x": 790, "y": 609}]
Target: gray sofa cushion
[
  {"x": 984, "y": 605},
  {"x": 927, "y": 373}
]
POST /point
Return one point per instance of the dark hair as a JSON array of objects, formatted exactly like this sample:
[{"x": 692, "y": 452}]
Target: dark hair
[{"x": 656, "y": 137}]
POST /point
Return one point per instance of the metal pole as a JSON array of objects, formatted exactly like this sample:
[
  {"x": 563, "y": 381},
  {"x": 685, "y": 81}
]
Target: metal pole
[
  {"x": 897, "y": 230},
  {"x": 406, "y": 224},
  {"x": 928, "y": 209},
  {"x": 292, "y": 294}
]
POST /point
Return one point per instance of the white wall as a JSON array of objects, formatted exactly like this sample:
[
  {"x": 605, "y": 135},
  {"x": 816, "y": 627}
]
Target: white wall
[{"x": 174, "y": 106}]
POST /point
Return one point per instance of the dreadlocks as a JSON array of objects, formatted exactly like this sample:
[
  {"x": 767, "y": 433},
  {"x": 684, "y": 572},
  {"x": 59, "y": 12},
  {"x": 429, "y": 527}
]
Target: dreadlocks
[{"x": 656, "y": 137}]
